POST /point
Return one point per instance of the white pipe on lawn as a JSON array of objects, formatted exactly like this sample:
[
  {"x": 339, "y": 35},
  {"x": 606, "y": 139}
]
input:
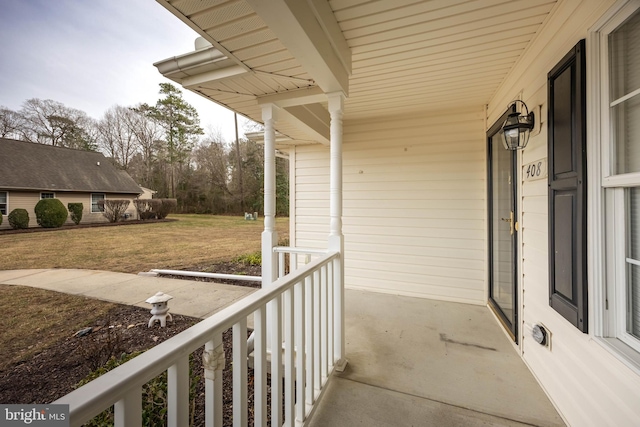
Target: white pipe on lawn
[{"x": 209, "y": 275}]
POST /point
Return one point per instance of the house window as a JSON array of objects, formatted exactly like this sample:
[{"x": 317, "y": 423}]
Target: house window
[
  {"x": 3, "y": 202},
  {"x": 47, "y": 196},
  {"x": 95, "y": 197},
  {"x": 619, "y": 42}
]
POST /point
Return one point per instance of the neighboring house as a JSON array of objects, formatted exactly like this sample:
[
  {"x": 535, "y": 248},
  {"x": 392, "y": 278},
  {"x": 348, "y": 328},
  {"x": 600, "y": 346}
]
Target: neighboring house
[
  {"x": 30, "y": 172},
  {"x": 394, "y": 112},
  {"x": 147, "y": 193}
]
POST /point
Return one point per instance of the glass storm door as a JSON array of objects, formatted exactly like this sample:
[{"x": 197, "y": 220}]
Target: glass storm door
[{"x": 503, "y": 229}]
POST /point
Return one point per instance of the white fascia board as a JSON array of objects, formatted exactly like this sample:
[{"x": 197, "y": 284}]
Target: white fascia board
[
  {"x": 294, "y": 97},
  {"x": 297, "y": 26}
]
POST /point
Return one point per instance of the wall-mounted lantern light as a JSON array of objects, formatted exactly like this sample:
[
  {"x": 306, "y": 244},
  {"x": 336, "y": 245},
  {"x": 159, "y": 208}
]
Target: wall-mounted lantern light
[{"x": 517, "y": 127}]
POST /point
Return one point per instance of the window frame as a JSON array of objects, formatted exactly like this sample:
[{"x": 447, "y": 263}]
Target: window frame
[
  {"x": 6, "y": 203},
  {"x": 42, "y": 193},
  {"x": 97, "y": 210},
  {"x": 607, "y": 216}
]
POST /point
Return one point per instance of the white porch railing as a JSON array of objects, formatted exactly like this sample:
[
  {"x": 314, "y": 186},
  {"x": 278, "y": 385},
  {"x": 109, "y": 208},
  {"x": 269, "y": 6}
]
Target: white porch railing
[{"x": 301, "y": 303}]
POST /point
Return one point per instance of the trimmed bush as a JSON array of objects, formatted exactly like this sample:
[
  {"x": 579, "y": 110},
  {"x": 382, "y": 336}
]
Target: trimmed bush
[
  {"x": 51, "y": 213},
  {"x": 19, "y": 218},
  {"x": 168, "y": 206},
  {"x": 155, "y": 208},
  {"x": 113, "y": 209},
  {"x": 75, "y": 211},
  {"x": 145, "y": 208}
]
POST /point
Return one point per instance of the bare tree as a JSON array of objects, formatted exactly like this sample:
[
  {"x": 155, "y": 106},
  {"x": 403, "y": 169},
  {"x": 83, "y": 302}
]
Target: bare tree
[
  {"x": 51, "y": 122},
  {"x": 147, "y": 133},
  {"x": 10, "y": 123},
  {"x": 115, "y": 135}
]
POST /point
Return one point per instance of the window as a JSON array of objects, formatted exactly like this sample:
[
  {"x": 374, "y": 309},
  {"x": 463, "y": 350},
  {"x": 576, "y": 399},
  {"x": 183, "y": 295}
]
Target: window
[
  {"x": 3, "y": 202},
  {"x": 95, "y": 197},
  {"x": 619, "y": 43},
  {"x": 47, "y": 196}
]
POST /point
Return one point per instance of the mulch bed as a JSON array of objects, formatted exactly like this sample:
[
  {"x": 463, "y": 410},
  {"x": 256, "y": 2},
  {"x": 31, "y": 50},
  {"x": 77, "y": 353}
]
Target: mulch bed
[{"x": 54, "y": 372}]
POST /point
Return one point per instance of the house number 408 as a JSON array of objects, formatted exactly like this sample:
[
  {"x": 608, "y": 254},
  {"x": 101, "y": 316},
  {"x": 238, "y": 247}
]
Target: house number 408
[{"x": 535, "y": 170}]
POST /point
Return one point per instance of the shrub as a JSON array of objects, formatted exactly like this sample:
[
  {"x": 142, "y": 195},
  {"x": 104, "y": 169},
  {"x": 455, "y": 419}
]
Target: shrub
[
  {"x": 154, "y": 395},
  {"x": 250, "y": 259},
  {"x": 114, "y": 209},
  {"x": 19, "y": 218},
  {"x": 50, "y": 213},
  {"x": 75, "y": 210},
  {"x": 168, "y": 206},
  {"x": 145, "y": 208}
]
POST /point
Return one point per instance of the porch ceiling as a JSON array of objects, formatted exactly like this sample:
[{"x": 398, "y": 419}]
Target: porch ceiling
[{"x": 405, "y": 56}]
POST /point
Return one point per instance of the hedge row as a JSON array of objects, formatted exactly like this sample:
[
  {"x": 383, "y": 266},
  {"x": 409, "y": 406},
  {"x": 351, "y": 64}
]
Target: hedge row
[{"x": 51, "y": 213}]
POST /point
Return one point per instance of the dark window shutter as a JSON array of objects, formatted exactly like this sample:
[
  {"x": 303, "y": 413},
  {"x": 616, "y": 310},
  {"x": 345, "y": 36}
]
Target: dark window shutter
[{"x": 568, "y": 188}]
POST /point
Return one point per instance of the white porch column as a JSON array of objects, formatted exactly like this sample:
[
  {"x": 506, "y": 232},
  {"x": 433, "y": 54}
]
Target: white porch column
[
  {"x": 269, "y": 235},
  {"x": 336, "y": 239}
]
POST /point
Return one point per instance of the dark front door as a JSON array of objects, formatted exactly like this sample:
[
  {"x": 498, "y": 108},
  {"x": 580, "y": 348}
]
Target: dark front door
[{"x": 503, "y": 228}]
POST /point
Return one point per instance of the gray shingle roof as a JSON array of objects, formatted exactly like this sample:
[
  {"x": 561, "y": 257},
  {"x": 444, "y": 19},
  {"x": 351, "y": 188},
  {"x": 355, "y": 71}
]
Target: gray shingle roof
[{"x": 24, "y": 165}]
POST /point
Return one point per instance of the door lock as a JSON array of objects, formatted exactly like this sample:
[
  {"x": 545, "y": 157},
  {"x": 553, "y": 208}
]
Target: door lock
[{"x": 512, "y": 225}]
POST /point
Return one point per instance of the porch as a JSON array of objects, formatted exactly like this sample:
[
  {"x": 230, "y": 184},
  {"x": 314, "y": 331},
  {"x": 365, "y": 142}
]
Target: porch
[
  {"x": 415, "y": 361},
  {"x": 412, "y": 361}
]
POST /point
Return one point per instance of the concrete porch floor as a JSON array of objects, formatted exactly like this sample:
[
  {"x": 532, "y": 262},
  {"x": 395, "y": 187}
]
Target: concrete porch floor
[{"x": 418, "y": 362}]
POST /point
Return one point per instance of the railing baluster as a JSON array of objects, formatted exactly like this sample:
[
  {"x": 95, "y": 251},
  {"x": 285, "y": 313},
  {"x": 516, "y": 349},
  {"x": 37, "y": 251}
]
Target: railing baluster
[
  {"x": 338, "y": 312},
  {"x": 289, "y": 362},
  {"x": 260, "y": 367},
  {"x": 323, "y": 322},
  {"x": 128, "y": 410},
  {"x": 240, "y": 373},
  {"x": 300, "y": 329},
  {"x": 275, "y": 306},
  {"x": 214, "y": 364},
  {"x": 281, "y": 264},
  {"x": 330, "y": 280},
  {"x": 310, "y": 339},
  {"x": 178, "y": 393},
  {"x": 315, "y": 390}
]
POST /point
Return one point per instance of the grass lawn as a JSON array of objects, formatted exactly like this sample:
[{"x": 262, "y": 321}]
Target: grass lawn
[
  {"x": 190, "y": 241},
  {"x": 34, "y": 318}
]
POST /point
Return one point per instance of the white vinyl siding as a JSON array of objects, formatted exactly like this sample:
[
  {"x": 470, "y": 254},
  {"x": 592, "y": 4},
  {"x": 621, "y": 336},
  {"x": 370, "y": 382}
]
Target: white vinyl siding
[
  {"x": 414, "y": 204},
  {"x": 588, "y": 384}
]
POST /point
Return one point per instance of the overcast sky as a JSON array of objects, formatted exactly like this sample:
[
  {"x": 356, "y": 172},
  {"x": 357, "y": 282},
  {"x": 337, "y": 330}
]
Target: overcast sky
[{"x": 92, "y": 54}]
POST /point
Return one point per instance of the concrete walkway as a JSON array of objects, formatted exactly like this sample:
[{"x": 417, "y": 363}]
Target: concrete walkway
[{"x": 190, "y": 298}]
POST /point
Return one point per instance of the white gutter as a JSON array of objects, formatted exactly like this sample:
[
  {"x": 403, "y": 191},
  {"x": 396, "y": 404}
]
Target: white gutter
[{"x": 211, "y": 57}]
